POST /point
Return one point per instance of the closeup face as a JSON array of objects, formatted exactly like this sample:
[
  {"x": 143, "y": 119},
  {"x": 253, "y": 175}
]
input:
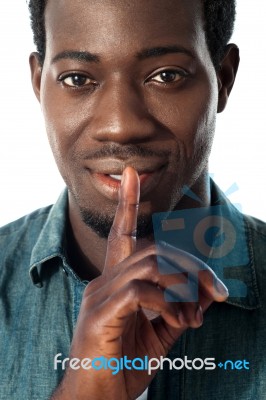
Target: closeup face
[{"x": 127, "y": 83}]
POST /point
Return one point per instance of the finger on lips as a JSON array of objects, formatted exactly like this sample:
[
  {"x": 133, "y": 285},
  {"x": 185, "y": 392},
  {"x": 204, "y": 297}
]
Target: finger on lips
[
  {"x": 151, "y": 274},
  {"x": 122, "y": 237}
]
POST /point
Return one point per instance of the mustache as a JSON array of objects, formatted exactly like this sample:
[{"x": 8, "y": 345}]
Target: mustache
[{"x": 123, "y": 152}]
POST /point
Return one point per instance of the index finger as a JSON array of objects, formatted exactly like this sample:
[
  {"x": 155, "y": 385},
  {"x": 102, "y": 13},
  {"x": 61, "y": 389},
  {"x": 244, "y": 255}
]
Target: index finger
[{"x": 121, "y": 241}]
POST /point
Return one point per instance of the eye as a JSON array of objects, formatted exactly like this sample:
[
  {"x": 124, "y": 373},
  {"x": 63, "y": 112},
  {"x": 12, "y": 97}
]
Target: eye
[
  {"x": 168, "y": 76},
  {"x": 76, "y": 80}
]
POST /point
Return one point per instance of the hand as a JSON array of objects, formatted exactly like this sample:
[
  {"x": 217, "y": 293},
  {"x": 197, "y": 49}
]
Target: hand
[{"x": 112, "y": 321}]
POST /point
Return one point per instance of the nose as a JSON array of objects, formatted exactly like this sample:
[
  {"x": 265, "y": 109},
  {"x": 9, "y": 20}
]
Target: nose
[{"x": 121, "y": 115}]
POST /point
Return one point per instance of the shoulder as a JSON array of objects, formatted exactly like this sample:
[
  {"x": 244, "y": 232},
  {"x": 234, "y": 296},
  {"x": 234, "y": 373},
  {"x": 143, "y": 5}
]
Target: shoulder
[
  {"x": 257, "y": 241},
  {"x": 17, "y": 241},
  {"x": 27, "y": 225},
  {"x": 33, "y": 237},
  {"x": 257, "y": 226},
  {"x": 18, "y": 238},
  {"x": 256, "y": 230},
  {"x": 28, "y": 228}
]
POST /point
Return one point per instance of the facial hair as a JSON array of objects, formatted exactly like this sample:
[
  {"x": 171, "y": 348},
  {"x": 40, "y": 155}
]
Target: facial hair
[{"x": 101, "y": 224}]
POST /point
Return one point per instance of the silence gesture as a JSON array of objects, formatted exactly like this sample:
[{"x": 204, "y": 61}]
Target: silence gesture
[{"x": 113, "y": 322}]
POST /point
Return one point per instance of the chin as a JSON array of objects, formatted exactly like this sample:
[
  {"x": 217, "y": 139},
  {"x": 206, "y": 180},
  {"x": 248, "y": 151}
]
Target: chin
[{"x": 101, "y": 223}]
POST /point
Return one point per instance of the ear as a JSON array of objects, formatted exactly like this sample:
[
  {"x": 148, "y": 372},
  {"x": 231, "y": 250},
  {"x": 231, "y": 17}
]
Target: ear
[
  {"x": 36, "y": 73},
  {"x": 226, "y": 74}
]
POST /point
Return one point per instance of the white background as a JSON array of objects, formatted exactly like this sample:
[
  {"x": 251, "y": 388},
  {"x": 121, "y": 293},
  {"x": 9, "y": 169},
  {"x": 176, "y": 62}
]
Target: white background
[{"x": 28, "y": 175}]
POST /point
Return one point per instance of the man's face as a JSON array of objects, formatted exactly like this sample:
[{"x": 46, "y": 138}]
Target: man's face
[{"x": 128, "y": 83}]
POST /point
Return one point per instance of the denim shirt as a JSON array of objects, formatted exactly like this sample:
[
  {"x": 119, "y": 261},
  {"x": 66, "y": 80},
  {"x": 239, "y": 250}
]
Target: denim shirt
[{"x": 41, "y": 297}]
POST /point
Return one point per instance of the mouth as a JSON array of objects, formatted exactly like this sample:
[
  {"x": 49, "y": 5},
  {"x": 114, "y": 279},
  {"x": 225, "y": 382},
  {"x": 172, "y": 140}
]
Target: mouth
[{"x": 106, "y": 175}]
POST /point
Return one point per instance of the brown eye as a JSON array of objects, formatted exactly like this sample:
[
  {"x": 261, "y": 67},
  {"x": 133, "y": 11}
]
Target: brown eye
[
  {"x": 168, "y": 76},
  {"x": 76, "y": 80}
]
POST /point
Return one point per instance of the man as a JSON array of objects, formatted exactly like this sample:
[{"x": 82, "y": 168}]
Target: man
[{"x": 130, "y": 92}]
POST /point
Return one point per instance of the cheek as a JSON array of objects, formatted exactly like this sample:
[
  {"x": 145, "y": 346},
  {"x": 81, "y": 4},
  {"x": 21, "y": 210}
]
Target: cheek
[
  {"x": 64, "y": 124},
  {"x": 205, "y": 124},
  {"x": 189, "y": 115}
]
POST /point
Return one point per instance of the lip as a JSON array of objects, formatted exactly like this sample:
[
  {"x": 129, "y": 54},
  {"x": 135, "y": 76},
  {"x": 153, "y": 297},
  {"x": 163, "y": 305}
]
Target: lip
[
  {"x": 115, "y": 166},
  {"x": 149, "y": 170}
]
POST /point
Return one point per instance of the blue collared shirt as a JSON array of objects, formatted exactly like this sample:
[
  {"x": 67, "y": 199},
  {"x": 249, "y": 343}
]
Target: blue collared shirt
[{"x": 41, "y": 297}]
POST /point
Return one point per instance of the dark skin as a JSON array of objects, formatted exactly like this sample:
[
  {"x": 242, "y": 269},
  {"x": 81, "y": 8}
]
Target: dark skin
[{"x": 146, "y": 79}]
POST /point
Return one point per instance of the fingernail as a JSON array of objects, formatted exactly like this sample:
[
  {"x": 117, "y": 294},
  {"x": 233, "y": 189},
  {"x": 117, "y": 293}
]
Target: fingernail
[
  {"x": 221, "y": 288},
  {"x": 199, "y": 316}
]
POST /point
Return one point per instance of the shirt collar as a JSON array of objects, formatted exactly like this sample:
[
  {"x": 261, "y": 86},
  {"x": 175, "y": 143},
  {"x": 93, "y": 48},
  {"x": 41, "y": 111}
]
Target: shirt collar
[{"x": 51, "y": 240}]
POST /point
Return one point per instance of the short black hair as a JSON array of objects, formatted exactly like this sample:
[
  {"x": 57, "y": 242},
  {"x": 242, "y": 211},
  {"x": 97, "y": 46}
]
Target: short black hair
[{"x": 219, "y": 25}]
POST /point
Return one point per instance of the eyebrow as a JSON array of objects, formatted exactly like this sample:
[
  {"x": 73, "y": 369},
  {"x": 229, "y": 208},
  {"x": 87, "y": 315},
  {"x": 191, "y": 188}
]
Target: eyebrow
[
  {"x": 82, "y": 56},
  {"x": 86, "y": 56},
  {"x": 161, "y": 51}
]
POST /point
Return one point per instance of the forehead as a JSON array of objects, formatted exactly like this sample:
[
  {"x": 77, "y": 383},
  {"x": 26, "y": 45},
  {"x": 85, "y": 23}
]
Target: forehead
[{"x": 122, "y": 25}]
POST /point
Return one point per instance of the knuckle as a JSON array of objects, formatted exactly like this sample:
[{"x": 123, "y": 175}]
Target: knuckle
[
  {"x": 152, "y": 266},
  {"x": 146, "y": 268},
  {"x": 152, "y": 249},
  {"x": 114, "y": 233},
  {"x": 93, "y": 286},
  {"x": 134, "y": 288},
  {"x": 151, "y": 260},
  {"x": 118, "y": 233}
]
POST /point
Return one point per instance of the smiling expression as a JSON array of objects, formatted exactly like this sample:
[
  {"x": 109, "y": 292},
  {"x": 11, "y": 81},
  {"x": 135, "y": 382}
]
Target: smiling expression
[{"x": 127, "y": 83}]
